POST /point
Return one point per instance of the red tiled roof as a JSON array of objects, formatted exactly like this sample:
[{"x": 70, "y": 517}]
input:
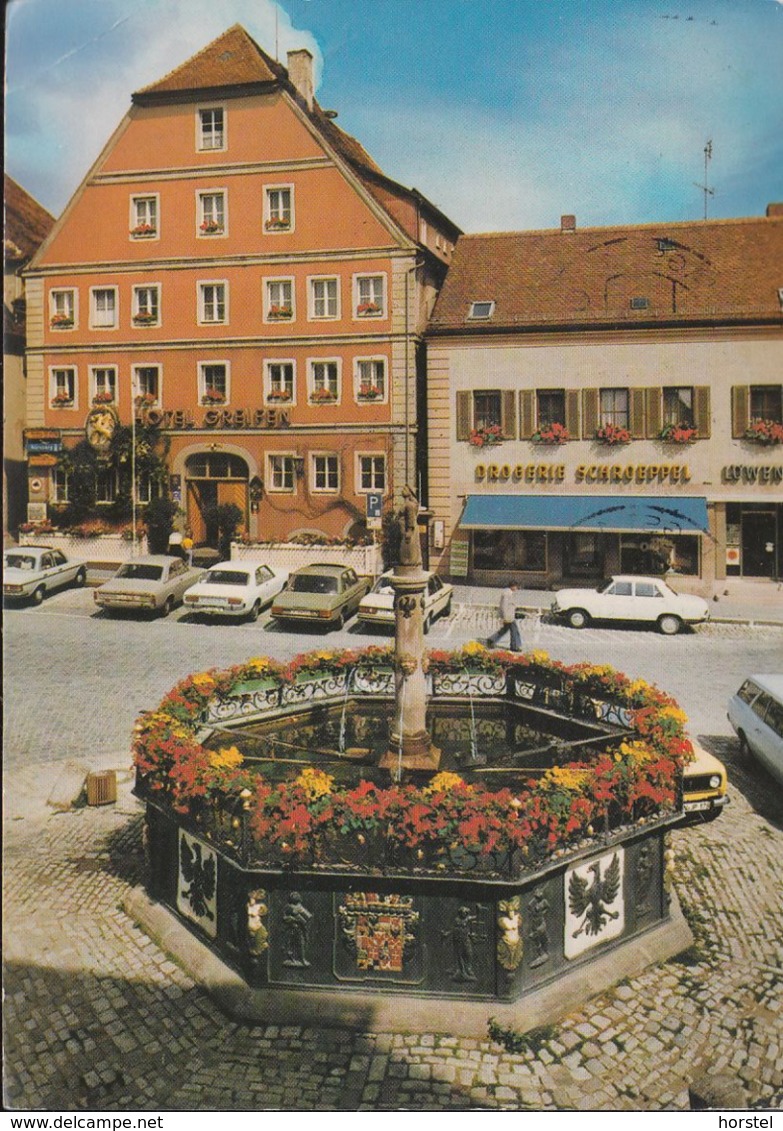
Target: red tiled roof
[
  {"x": 233, "y": 59},
  {"x": 654, "y": 273},
  {"x": 27, "y": 223}
]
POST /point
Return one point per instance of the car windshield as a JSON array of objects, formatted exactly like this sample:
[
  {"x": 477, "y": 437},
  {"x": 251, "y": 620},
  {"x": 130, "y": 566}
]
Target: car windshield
[
  {"x": 313, "y": 583},
  {"x": 606, "y": 585},
  {"x": 225, "y": 577},
  {"x": 383, "y": 585},
  {"x": 140, "y": 572},
  {"x": 19, "y": 561}
]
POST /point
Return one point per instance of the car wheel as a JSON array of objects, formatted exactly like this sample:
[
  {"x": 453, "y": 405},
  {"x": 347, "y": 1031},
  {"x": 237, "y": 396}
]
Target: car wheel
[
  {"x": 669, "y": 624},
  {"x": 447, "y": 610},
  {"x": 427, "y": 624},
  {"x": 81, "y": 578},
  {"x": 39, "y": 595},
  {"x": 253, "y": 614},
  {"x": 578, "y": 618},
  {"x": 168, "y": 607}
]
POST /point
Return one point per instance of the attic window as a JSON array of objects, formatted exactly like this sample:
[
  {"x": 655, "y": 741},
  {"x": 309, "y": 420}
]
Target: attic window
[
  {"x": 666, "y": 245},
  {"x": 639, "y": 303},
  {"x": 481, "y": 310}
]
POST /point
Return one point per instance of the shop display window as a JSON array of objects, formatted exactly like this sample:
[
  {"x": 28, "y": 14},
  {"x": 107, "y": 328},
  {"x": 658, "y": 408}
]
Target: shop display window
[
  {"x": 659, "y": 554},
  {"x": 523, "y": 550}
]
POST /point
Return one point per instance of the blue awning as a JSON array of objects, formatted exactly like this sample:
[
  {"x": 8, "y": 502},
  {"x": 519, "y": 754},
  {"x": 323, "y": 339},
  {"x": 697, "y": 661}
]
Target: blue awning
[{"x": 615, "y": 513}]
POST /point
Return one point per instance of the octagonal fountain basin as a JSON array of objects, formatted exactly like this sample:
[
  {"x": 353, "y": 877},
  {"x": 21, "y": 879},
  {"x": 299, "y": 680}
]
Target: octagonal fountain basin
[{"x": 537, "y": 846}]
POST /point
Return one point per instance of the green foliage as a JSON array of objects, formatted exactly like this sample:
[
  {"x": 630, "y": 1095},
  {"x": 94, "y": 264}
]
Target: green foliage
[
  {"x": 513, "y": 1040},
  {"x": 226, "y": 518},
  {"x": 159, "y": 520}
]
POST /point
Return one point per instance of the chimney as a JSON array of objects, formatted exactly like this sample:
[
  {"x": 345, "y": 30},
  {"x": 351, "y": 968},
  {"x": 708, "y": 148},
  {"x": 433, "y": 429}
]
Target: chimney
[
  {"x": 568, "y": 223},
  {"x": 300, "y": 72},
  {"x": 774, "y": 210}
]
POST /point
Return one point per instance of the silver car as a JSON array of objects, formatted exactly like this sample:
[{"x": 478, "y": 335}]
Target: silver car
[
  {"x": 30, "y": 572},
  {"x": 148, "y": 584},
  {"x": 756, "y": 713}
]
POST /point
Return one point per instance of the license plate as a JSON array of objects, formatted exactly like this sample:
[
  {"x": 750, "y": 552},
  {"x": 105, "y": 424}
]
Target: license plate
[{"x": 696, "y": 806}]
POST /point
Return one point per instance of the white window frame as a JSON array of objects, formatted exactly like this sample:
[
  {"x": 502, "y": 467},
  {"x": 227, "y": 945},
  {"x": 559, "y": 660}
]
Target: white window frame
[
  {"x": 137, "y": 219},
  {"x": 314, "y": 458},
  {"x": 278, "y": 281},
  {"x": 359, "y": 489},
  {"x": 55, "y": 385},
  {"x": 109, "y": 473},
  {"x": 203, "y": 366},
  {"x": 201, "y": 136},
  {"x": 137, "y": 307},
  {"x": 312, "y": 362},
  {"x": 61, "y": 485},
  {"x": 357, "y": 379},
  {"x": 312, "y": 282},
  {"x": 94, "y": 371},
  {"x": 358, "y": 299},
  {"x": 94, "y": 292},
  {"x": 481, "y": 302},
  {"x": 270, "y": 475},
  {"x": 201, "y": 302},
  {"x": 136, "y": 390},
  {"x": 271, "y": 214},
  {"x": 268, "y": 388},
  {"x": 202, "y": 216},
  {"x": 144, "y": 488},
  {"x": 72, "y": 305}
]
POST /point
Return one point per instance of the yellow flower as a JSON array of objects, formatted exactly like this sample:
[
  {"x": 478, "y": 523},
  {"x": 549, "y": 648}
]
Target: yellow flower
[
  {"x": 675, "y": 713},
  {"x": 538, "y": 657},
  {"x": 638, "y": 752},
  {"x": 564, "y": 777},
  {"x": 204, "y": 681},
  {"x": 259, "y": 663},
  {"x": 314, "y": 782},
  {"x": 473, "y": 648},
  {"x": 227, "y": 758},
  {"x": 443, "y": 782},
  {"x": 637, "y": 686}
]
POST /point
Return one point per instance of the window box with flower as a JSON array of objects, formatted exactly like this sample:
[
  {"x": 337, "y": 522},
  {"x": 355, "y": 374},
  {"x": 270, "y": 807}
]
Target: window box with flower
[
  {"x": 277, "y": 224},
  {"x": 551, "y": 434},
  {"x": 213, "y": 396},
  {"x": 211, "y": 227},
  {"x": 280, "y": 313},
  {"x": 323, "y": 396},
  {"x": 103, "y": 398},
  {"x": 369, "y": 393},
  {"x": 367, "y": 309},
  {"x": 62, "y": 400},
  {"x": 678, "y": 434},
  {"x": 146, "y": 400},
  {"x": 765, "y": 432},
  {"x": 145, "y": 318},
  {"x": 612, "y": 435},
  {"x": 486, "y": 436},
  {"x": 144, "y": 231},
  {"x": 278, "y": 395},
  {"x": 61, "y": 322}
]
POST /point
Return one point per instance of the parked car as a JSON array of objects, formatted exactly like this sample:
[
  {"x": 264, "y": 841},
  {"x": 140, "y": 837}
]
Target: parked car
[
  {"x": 30, "y": 572},
  {"x": 627, "y": 598},
  {"x": 377, "y": 608},
  {"x": 704, "y": 782},
  {"x": 235, "y": 589},
  {"x": 147, "y": 584},
  {"x": 756, "y": 713},
  {"x": 322, "y": 594}
]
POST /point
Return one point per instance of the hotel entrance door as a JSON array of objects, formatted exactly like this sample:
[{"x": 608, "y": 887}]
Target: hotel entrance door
[{"x": 212, "y": 478}]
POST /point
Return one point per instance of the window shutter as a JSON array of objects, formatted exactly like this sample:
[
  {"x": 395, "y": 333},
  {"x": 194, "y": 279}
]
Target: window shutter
[
  {"x": 572, "y": 412},
  {"x": 636, "y": 413},
  {"x": 740, "y": 410},
  {"x": 654, "y": 405},
  {"x": 702, "y": 413},
  {"x": 509, "y": 414},
  {"x": 527, "y": 413},
  {"x": 464, "y": 414},
  {"x": 590, "y": 420}
]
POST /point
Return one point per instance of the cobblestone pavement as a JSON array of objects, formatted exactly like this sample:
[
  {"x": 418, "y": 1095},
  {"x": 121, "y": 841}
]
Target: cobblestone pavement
[{"x": 97, "y": 1016}]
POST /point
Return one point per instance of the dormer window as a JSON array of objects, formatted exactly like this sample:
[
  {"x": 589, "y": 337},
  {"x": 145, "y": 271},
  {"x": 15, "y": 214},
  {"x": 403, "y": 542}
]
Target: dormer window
[
  {"x": 479, "y": 310},
  {"x": 639, "y": 302},
  {"x": 666, "y": 245}
]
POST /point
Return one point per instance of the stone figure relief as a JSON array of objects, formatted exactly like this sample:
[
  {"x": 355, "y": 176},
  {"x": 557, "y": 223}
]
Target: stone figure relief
[
  {"x": 510, "y": 945},
  {"x": 643, "y": 874},
  {"x": 463, "y": 933},
  {"x": 408, "y": 518},
  {"x": 538, "y": 934},
  {"x": 257, "y": 933},
  {"x": 296, "y": 925}
]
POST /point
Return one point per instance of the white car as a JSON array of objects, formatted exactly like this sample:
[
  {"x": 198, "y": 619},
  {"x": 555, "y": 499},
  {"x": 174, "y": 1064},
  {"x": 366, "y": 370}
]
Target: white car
[
  {"x": 235, "y": 589},
  {"x": 30, "y": 572},
  {"x": 756, "y": 713},
  {"x": 627, "y": 598},
  {"x": 150, "y": 583},
  {"x": 378, "y": 606}
]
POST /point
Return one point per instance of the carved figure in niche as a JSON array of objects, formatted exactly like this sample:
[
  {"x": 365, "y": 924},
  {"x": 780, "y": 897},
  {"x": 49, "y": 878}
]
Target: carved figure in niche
[
  {"x": 200, "y": 874},
  {"x": 593, "y": 900},
  {"x": 510, "y": 946},
  {"x": 296, "y": 921},
  {"x": 257, "y": 934},
  {"x": 644, "y": 873},
  {"x": 408, "y": 518},
  {"x": 538, "y": 934},
  {"x": 463, "y": 935}
]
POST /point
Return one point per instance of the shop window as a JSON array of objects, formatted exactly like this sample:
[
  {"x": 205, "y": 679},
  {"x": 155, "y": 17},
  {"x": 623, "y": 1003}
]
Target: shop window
[
  {"x": 325, "y": 472},
  {"x": 63, "y": 388},
  {"x": 614, "y": 407},
  {"x": 211, "y": 125},
  {"x": 281, "y": 473},
  {"x": 585, "y": 554},
  {"x": 370, "y": 379},
  {"x": 103, "y": 308},
  {"x": 370, "y": 296},
  {"x": 278, "y": 300},
  {"x": 372, "y": 473},
  {"x": 211, "y": 213},
  {"x": 521, "y": 550},
  {"x": 324, "y": 298},
  {"x": 678, "y": 405},
  {"x": 766, "y": 403},
  {"x": 146, "y": 384},
  {"x": 144, "y": 217},
  {"x": 212, "y": 303},
  {"x": 655, "y": 554},
  {"x": 104, "y": 385},
  {"x": 279, "y": 208},
  {"x": 146, "y": 306},
  {"x": 279, "y": 381},
  {"x": 62, "y": 309},
  {"x": 213, "y": 383}
]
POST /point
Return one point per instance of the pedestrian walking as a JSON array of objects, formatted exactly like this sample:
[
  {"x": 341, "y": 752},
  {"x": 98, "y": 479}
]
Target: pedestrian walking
[{"x": 507, "y": 611}]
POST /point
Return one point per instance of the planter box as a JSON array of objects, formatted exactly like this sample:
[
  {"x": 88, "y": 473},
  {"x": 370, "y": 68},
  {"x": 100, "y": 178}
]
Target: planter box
[
  {"x": 366, "y": 560},
  {"x": 105, "y": 550}
]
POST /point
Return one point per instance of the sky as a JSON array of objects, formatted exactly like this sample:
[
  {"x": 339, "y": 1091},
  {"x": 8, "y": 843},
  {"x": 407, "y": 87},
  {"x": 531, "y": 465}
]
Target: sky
[{"x": 504, "y": 113}]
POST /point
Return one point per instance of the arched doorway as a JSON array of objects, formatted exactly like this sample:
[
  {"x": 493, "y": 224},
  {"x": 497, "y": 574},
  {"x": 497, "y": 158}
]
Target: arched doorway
[{"x": 212, "y": 478}]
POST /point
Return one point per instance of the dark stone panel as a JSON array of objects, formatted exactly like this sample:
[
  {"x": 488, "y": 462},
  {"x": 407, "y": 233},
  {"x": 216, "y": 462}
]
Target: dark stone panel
[
  {"x": 460, "y": 941},
  {"x": 300, "y": 931},
  {"x": 379, "y": 939}
]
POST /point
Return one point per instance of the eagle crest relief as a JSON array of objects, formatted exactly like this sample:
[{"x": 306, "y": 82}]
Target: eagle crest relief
[
  {"x": 197, "y": 886},
  {"x": 594, "y": 903}
]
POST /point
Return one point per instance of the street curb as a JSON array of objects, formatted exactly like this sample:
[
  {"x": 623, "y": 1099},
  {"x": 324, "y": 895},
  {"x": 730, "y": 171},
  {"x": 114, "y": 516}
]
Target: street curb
[
  {"x": 534, "y": 610},
  {"x": 372, "y": 1011}
]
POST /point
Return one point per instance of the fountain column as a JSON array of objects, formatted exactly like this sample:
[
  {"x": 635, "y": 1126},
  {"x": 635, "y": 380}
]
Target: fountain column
[{"x": 410, "y": 745}]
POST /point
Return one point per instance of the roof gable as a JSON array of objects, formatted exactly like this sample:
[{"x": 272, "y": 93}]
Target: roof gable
[
  {"x": 231, "y": 60},
  {"x": 27, "y": 223}
]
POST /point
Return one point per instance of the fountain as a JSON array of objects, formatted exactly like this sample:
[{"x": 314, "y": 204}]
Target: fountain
[{"x": 479, "y": 826}]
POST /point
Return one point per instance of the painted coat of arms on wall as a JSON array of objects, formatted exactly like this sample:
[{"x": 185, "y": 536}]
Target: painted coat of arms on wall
[
  {"x": 595, "y": 907},
  {"x": 197, "y": 883},
  {"x": 378, "y": 930}
]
